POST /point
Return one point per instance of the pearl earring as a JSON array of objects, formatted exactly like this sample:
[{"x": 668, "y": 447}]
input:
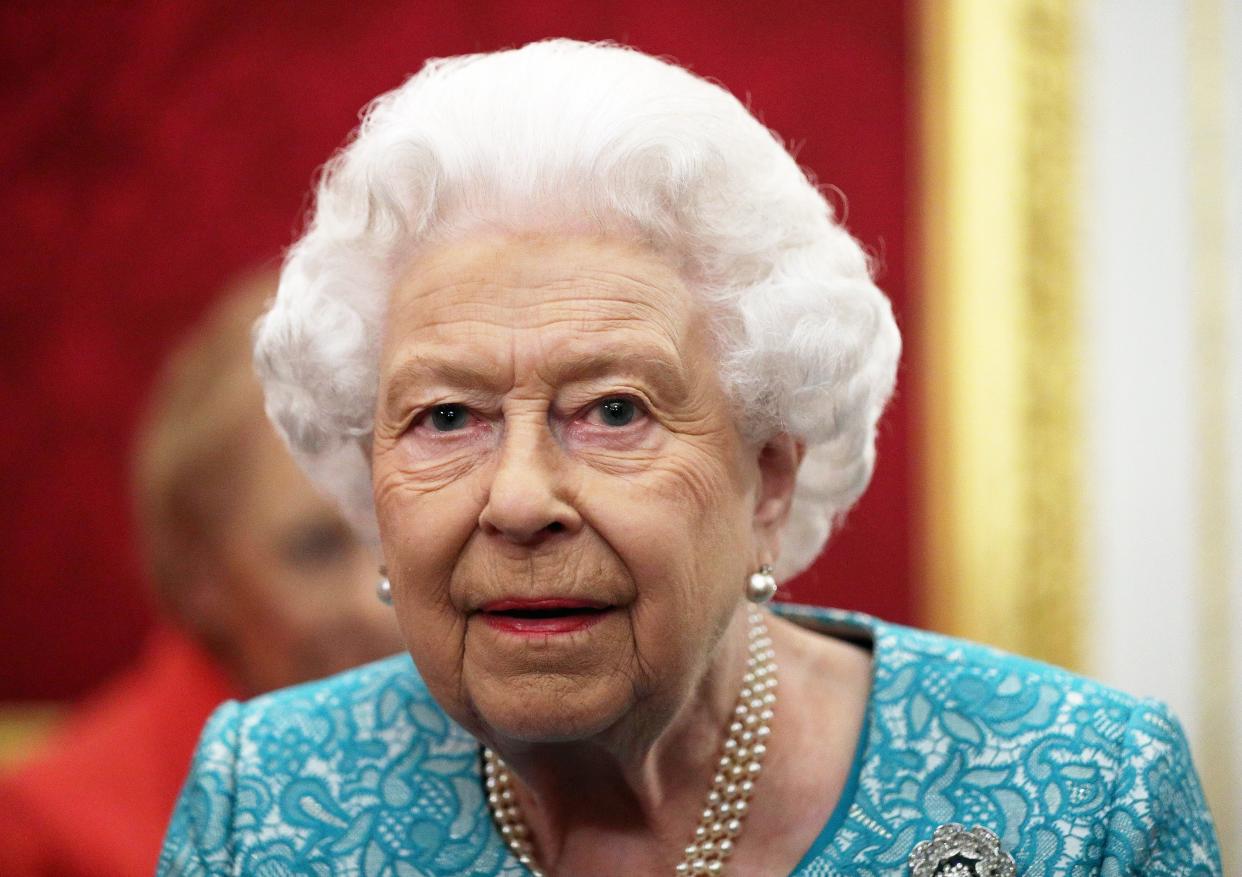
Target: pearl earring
[
  {"x": 761, "y": 587},
  {"x": 383, "y": 588}
]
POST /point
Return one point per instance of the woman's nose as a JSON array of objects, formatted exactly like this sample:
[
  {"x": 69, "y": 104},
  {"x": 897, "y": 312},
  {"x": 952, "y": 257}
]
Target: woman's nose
[{"x": 527, "y": 500}]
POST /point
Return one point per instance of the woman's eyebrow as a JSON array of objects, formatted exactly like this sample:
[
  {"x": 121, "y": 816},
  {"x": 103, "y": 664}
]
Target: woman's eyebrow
[
  {"x": 437, "y": 369},
  {"x": 650, "y": 364}
]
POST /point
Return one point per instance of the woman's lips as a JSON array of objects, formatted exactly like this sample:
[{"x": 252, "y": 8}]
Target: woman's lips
[{"x": 542, "y": 616}]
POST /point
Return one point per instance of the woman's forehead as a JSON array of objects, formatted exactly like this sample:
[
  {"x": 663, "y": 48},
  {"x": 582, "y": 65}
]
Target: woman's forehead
[
  {"x": 581, "y": 286},
  {"x": 572, "y": 308}
]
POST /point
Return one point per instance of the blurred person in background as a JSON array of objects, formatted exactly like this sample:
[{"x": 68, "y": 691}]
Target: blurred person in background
[{"x": 261, "y": 583}]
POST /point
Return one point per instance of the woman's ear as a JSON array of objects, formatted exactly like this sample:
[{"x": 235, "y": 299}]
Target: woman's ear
[{"x": 779, "y": 459}]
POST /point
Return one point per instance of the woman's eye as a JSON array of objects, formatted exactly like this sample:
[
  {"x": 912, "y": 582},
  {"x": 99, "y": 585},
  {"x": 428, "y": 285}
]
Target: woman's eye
[
  {"x": 316, "y": 543},
  {"x": 617, "y": 412},
  {"x": 447, "y": 418}
]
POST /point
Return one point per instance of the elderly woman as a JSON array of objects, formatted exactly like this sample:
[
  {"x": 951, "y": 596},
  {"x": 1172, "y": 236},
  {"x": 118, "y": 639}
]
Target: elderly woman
[{"x": 574, "y": 340}]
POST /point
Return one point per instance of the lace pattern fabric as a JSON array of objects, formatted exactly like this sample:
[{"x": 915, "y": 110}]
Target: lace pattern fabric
[{"x": 363, "y": 774}]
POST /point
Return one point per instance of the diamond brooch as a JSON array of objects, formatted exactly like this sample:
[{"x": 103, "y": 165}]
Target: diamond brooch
[{"x": 955, "y": 852}]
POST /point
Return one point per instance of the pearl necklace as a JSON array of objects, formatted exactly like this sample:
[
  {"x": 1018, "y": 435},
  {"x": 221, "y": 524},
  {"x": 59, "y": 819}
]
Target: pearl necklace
[{"x": 728, "y": 800}]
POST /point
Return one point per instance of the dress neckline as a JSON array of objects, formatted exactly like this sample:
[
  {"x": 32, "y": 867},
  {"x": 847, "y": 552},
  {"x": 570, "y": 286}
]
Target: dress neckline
[{"x": 860, "y": 630}]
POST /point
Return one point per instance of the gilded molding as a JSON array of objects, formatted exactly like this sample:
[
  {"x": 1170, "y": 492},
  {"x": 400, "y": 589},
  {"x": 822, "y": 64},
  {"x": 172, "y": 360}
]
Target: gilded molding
[
  {"x": 1000, "y": 318},
  {"x": 1216, "y": 696},
  {"x": 1051, "y": 420}
]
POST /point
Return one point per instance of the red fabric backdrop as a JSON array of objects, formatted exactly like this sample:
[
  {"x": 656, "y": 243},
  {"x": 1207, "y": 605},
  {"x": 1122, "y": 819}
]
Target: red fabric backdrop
[{"x": 152, "y": 150}]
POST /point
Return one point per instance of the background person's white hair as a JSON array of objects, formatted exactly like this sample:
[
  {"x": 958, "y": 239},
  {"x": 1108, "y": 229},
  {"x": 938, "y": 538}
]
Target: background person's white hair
[{"x": 577, "y": 136}]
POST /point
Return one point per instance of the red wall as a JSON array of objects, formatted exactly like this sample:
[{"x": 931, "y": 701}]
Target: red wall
[{"x": 152, "y": 150}]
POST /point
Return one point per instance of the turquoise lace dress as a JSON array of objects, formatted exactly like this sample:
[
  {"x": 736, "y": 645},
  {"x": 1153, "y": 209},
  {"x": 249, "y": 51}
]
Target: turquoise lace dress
[{"x": 363, "y": 774}]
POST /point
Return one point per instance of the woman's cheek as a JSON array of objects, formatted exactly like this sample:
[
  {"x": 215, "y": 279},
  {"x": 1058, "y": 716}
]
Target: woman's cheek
[
  {"x": 685, "y": 476},
  {"x": 421, "y": 446},
  {"x": 621, "y": 451},
  {"x": 426, "y": 465},
  {"x": 425, "y": 515}
]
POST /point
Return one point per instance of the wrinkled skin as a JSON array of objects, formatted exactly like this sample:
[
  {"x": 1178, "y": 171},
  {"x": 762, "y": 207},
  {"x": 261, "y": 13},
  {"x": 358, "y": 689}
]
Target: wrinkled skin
[{"x": 530, "y": 485}]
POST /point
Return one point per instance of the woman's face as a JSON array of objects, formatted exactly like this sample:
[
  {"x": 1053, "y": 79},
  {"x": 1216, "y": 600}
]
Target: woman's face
[
  {"x": 567, "y": 510},
  {"x": 289, "y": 593}
]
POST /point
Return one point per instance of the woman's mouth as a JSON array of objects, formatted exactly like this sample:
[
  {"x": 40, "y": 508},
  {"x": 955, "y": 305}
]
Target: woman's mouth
[{"x": 543, "y": 616}]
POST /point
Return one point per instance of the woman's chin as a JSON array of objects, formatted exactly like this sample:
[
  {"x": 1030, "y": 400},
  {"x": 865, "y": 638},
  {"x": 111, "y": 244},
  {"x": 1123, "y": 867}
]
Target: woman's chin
[{"x": 552, "y": 709}]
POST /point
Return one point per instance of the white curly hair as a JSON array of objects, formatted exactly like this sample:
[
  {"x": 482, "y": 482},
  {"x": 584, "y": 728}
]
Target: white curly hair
[{"x": 562, "y": 134}]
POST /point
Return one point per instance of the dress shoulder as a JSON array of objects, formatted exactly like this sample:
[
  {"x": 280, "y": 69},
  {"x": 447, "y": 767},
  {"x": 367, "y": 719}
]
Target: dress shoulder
[
  {"x": 1074, "y": 777},
  {"x": 362, "y": 769}
]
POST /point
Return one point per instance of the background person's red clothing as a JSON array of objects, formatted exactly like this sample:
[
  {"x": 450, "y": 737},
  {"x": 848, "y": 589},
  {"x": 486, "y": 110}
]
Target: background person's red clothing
[{"x": 95, "y": 800}]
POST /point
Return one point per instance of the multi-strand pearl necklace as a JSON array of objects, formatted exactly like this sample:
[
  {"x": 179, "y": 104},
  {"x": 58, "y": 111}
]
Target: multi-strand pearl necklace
[{"x": 728, "y": 800}]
